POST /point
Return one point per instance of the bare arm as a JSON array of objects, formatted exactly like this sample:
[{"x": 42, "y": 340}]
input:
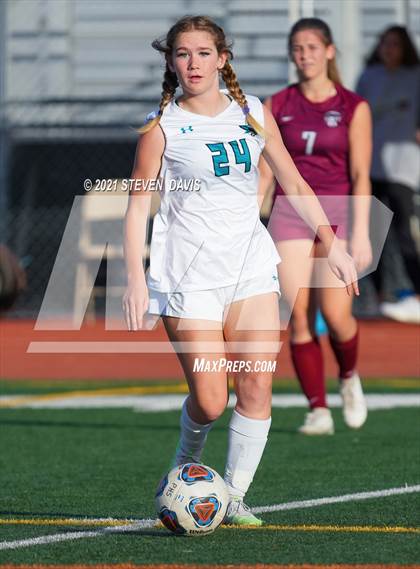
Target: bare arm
[
  {"x": 146, "y": 167},
  {"x": 266, "y": 182},
  {"x": 360, "y": 141},
  {"x": 268, "y": 103}
]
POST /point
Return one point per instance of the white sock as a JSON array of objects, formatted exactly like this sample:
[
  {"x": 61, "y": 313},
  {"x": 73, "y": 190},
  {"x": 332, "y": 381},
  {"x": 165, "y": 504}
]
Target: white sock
[
  {"x": 247, "y": 440},
  {"x": 192, "y": 439}
]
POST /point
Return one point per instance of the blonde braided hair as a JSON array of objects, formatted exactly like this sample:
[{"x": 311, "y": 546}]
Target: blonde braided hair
[
  {"x": 169, "y": 85},
  {"x": 170, "y": 81},
  {"x": 232, "y": 84}
]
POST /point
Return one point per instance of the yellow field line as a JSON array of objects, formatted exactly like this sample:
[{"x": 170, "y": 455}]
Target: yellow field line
[
  {"x": 136, "y": 390},
  {"x": 65, "y": 522},
  {"x": 351, "y": 529},
  {"x": 276, "y": 527},
  {"x": 145, "y": 390}
]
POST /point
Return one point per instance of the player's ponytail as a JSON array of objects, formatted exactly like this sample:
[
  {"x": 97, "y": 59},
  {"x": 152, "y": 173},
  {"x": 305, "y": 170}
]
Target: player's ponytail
[
  {"x": 232, "y": 84},
  {"x": 317, "y": 25},
  {"x": 332, "y": 71}
]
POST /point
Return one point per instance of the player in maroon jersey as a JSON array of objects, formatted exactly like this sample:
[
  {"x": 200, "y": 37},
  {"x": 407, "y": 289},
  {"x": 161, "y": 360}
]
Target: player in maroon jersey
[{"x": 327, "y": 130}]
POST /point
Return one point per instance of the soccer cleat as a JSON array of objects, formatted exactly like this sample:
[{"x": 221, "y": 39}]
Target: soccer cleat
[
  {"x": 405, "y": 310},
  {"x": 354, "y": 402},
  {"x": 318, "y": 422},
  {"x": 239, "y": 514}
]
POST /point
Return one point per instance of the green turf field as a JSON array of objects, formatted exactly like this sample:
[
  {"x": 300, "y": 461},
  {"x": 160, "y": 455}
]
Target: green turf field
[{"x": 58, "y": 465}]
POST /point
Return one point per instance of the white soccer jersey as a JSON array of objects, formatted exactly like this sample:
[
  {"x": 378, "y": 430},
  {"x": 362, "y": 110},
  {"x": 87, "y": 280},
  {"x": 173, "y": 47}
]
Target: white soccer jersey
[{"x": 208, "y": 234}]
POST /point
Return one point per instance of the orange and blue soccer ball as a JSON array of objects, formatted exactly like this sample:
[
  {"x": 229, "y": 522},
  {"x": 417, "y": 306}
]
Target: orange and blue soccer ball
[{"x": 192, "y": 499}]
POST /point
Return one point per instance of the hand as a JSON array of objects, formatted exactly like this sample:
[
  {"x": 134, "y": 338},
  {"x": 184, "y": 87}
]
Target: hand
[
  {"x": 361, "y": 251},
  {"x": 135, "y": 304},
  {"x": 342, "y": 265}
]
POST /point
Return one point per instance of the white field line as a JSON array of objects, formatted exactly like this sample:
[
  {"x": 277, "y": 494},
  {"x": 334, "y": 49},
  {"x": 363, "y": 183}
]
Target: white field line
[
  {"x": 154, "y": 403},
  {"x": 70, "y": 536},
  {"x": 149, "y": 523},
  {"x": 337, "y": 499}
]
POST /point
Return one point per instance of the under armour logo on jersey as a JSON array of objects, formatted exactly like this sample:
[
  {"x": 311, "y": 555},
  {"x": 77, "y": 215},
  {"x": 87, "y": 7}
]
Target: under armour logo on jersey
[
  {"x": 248, "y": 129},
  {"x": 332, "y": 118},
  {"x": 286, "y": 118},
  {"x": 186, "y": 129}
]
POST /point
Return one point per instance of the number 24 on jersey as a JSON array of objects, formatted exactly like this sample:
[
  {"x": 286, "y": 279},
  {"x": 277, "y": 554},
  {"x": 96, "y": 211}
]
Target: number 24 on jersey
[{"x": 221, "y": 159}]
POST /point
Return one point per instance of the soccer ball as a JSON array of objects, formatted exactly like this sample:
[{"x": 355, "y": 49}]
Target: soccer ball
[{"x": 192, "y": 499}]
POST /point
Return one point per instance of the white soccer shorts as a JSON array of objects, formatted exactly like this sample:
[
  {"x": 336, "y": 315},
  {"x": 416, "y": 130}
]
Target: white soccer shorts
[{"x": 211, "y": 304}]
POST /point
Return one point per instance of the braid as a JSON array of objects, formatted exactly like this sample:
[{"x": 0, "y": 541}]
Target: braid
[
  {"x": 232, "y": 83},
  {"x": 169, "y": 85}
]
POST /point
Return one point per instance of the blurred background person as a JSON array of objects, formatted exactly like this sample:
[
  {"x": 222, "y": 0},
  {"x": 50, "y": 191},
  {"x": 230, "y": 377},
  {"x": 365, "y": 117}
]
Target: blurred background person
[
  {"x": 391, "y": 85},
  {"x": 327, "y": 130},
  {"x": 12, "y": 278}
]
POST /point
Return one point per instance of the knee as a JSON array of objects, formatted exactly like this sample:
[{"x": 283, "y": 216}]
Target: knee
[
  {"x": 338, "y": 322},
  {"x": 206, "y": 410},
  {"x": 254, "y": 390},
  {"x": 300, "y": 320}
]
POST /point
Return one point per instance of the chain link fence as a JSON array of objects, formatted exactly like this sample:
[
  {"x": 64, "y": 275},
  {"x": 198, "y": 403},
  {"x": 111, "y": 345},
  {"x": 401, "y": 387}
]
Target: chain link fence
[{"x": 47, "y": 166}]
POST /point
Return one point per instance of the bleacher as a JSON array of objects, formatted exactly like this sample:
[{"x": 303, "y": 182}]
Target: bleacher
[{"x": 89, "y": 62}]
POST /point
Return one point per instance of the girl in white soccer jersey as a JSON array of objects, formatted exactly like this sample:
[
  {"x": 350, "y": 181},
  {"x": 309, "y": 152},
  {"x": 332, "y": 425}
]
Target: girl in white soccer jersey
[{"x": 213, "y": 265}]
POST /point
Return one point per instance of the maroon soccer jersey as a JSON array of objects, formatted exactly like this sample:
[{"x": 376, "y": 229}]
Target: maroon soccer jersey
[{"x": 317, "y": 136}]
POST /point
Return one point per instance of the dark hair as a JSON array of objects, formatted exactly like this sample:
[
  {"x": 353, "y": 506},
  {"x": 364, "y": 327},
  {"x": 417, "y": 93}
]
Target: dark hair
[
  {"x": 170, "y": 80},
  {"x": 325, "y": 32},
  {"x": 409, "y": 57}
]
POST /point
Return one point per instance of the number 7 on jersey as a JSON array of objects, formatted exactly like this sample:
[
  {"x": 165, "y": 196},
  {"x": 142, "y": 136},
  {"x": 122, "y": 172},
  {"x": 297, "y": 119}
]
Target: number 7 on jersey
[{"x": 309, "y": 136}]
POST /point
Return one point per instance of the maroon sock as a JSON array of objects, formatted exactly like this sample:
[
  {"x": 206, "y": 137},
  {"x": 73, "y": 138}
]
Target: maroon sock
[
  {"x": 309, "y": 366},
  {"x": 346, "y": 355}
]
